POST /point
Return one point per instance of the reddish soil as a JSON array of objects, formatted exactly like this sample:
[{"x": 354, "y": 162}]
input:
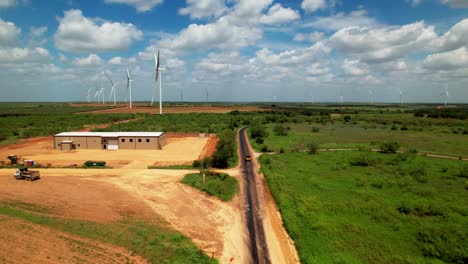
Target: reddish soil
[
  {"x": 210, "y": 147},
  {"x": 75, "y": 197},
  {"x": 24, "y": 242},
  {"x": 179, "y": 109}
]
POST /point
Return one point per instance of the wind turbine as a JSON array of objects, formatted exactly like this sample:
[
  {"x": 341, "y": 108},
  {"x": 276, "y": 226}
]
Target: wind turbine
[
  {"x": 129, "y": 88},
  {"x": 88, "y": 97},
  {"x": 158, "y": 71},
  {"x": 371, "y": 95},
  {"x": 112, "y": 87},
  {"x": 206, "y": 91},
  {"x": 446, "y": 95},
  {"x": 401, "y": 96}
]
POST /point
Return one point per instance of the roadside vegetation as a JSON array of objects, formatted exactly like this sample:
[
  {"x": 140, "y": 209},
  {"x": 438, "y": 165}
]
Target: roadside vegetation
[
  {"x": 156, "y": 242},
  {"x": 368, "y": 207},
  {"x": 220, "y": 185}
]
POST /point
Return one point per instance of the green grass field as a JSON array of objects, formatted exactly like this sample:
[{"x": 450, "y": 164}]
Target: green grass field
[
  {"x": 426, "y": 135},
  {"x": 399, "y": 209},
  {"x": 220, "y": 185},
  {"x": 154, "y": 241}
]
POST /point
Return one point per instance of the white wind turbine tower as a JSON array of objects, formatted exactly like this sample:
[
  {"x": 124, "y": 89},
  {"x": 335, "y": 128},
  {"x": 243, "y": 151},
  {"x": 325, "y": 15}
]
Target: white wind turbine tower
[
  {"x": 446, "y": 95},
  {"x": 112, "y": 88},
  {"x": 158, "y": 71},
  {"x": 129, "y": 88},
  {"x": 401, "y": 96},
  {"x": 371, "y": 95},
  {"x": 88, "y": 97}
]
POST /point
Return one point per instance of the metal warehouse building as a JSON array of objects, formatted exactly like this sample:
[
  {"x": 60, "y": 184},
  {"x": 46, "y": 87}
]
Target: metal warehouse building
[{"x": 109, "y": 140}]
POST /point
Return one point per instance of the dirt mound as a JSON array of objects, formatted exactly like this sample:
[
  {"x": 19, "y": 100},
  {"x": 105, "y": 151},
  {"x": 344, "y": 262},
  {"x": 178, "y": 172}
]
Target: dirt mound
[{"x": 24, "y": 242}]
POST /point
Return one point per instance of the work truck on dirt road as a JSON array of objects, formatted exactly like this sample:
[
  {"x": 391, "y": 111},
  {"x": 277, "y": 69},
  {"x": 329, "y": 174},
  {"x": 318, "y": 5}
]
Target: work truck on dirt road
[{"x": 28, "y": 175}]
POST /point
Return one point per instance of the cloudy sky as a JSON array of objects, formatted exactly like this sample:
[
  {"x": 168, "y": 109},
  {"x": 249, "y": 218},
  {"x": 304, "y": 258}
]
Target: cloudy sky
[{"x": 236, "y": 50}]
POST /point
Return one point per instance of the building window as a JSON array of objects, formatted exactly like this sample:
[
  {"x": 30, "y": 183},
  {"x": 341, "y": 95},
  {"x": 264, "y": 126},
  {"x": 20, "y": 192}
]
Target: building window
[
  {"x": 123, "y": 139},
  {"x": 131, "y": 140},
  {"x": 139, "y": 140},
  {"x": 147, "y": 140}
]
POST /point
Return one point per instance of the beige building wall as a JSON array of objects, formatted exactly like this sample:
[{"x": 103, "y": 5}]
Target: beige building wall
[
  {"x": 147, "y": 143},
  {"x": 162, "y": 141},
  {"x": 124, "y": 142},
  {"x": 127, "y": 143},
  {"x": 79, "y": 142}
]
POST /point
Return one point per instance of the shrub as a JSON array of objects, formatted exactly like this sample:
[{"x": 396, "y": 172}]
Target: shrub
[
  {"x": 280, "y": 130},
  {"x": 196, "y": 164},
  {"x": 446, "y": 243},
  {"x": 363, "y": 160},
  {"x": 404, "y": 127},
  {"x": 389, "y": 147},
  {"x": 265, "y": 149},
  {"x": 463, "y": 172},
  {"x": 394, "y": 127},
  {"x": 315, "y": 129},
  {"x": 257, "y": 131},
  {"x": 312, "y": 148},
  {"x": 225, "y": 149},
  {"x": 347, "y": 118},
  {"x": 91, "y": 163},
  {"x": 259, "y": 140}
]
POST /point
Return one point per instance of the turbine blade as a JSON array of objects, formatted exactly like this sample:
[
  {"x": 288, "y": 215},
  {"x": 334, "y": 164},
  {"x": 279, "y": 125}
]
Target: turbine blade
[
  {"x": 157, "y": 65},
  {"x": 109, "y": 78}
]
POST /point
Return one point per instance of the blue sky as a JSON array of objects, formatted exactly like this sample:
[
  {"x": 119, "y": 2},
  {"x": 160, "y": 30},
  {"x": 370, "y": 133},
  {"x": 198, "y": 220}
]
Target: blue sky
[{"x": 236, "y": 50}]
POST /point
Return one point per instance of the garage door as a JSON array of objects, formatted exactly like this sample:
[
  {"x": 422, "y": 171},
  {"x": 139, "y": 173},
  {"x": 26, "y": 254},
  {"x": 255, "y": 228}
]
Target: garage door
[{"x": 112, "y": 144}]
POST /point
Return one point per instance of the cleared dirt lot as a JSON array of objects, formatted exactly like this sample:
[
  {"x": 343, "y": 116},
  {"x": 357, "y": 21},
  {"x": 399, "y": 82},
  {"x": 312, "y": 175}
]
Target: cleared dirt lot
[
  {"x": 108, "y": 195},
  {"x": 178, "y": 151},
  {"x": 24, "y": 242},
  {"x": 178, "y": 109}
]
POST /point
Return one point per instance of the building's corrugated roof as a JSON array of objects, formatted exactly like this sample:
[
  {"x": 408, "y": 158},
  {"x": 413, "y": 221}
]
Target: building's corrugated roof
[{"x": 109, "y": 134}]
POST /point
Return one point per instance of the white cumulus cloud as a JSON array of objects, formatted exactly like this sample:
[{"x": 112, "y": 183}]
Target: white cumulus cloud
[
  {"x": 140, "y": 5},
  {"x": 77, "y": 33},
  {"x": 358, "y": 18},
  {"x": 381, "y": 44},
  {"x": 277, "y": 14},
  {"x": 91, "y": 60},
  {"x": 203, "y": 8},
  {"x": 449, "y": 60},
  {"x": 23, "y": 55},
  {"x": 455, "y": 38},
  {"x": 9, "y": 33},
  {"x": 311, "y": 37},
  {"x": 313, "y": 5}
]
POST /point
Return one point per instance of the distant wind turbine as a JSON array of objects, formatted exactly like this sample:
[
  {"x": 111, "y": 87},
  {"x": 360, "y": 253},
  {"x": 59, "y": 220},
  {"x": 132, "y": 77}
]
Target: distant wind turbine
[
  {"x": 158, "y": 72},
  {"x": 446, "y": 95},
  {"x": 401, "y": 96},
  {"x": 129, "y": 88},
  {"x": 112, "y": 88},
  {"x": 371, "y": 95}
]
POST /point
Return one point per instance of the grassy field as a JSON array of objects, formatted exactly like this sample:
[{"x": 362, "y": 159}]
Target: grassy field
[
  {"x": 427, "y": 135},
  {"x": 397, "y": 209},
  {"x": 25, "y": 120},
  {"x": 220, "y": 185},
  {"x": 154, "y": 241}
]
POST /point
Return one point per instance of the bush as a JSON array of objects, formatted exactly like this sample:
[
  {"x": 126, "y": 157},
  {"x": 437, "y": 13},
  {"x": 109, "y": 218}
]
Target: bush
[
  {"x": 315, "y": 129},
  {"x": 258, "y": 131},
  {"x": 225, "y": 149},
  {"x": 389, "y": 147},
  {"x": 312, "y": 148},
  {"x": 259, "y": 140},
  {"x": 363, "y": 160},
  {"x": 265, "y": 149},
  {"x": 282, "y": 150},
  {"x": 91, "y": 163},
  {"x": 280, "y": 130},
  {"x": 196, "y": 164},
  {"x": 446, "y": 243},
  {"x": 347, "y": 118},
  {"x": 463, "y": 172}
]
